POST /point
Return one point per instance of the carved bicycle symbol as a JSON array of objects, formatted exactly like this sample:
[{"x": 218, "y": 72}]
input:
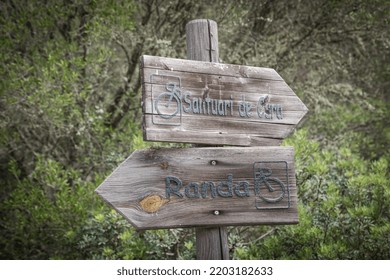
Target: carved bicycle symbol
[
  {"x": 276, "y": 188},
  {"x": 168, "y": 104}
]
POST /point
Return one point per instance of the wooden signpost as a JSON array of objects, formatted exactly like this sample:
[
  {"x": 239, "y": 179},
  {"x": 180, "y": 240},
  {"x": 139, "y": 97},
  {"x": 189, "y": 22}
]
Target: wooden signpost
[
  {"x": 205, "y": 102},
  {"x": 170, "y": 188}
]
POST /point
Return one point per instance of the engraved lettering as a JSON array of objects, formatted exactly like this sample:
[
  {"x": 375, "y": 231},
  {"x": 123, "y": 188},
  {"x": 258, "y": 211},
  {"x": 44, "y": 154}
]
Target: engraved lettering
[
  {"x": 279, "y": 113},
  {"x": 208, "y": 105},
  {"x": 261, "y": 106},
  {"x": 266, "y": 188},
  {"x": 169, "y": 190},
  {"x": 188, "y": 102},
  {"x": 204, "y": 106},
  {"x": 210, "y": 185},
  {"x": 244, "y": 108},
  {"x": 241, "y": 107},
  {"x": 200, "y": 105},
  {"x": 195, "y": 105},
  {"x": 214, "y": 106},
  {"x": 242, "y": 189},
  {"x": 168, "y": 105},
  {"x": 194, "y": 193},
  {"x": 221, "y": 111},
  {"x": 268, "y": 110},
  {"x": 228, "y": 185},
  {"x": 226, "y": 103},
  {"x": 247, "y": 109}
]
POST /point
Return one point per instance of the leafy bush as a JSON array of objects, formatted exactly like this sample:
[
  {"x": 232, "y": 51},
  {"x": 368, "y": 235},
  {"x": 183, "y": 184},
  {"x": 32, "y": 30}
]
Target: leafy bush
[
  {"x": 343, "y": 208},
  {"x": 108, "y": 236},
  {"x": 43, "y": 210}
]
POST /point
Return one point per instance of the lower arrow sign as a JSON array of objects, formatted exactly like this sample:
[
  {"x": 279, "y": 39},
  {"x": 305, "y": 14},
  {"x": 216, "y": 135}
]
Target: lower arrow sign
[{"x": 167, "y": 188}]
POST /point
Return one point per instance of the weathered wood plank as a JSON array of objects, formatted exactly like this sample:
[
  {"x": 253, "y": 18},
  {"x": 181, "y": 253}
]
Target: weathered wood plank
[
  {"x": 218, "y": 82},
  {"x": 191, "y": 66},
  {"x": 223, "y": 131},
  {"x": 291, "y": 112},
  {"x": 211, "y": 137},
  {"x": 193, "y": 97},
  {"x": 289, "y": 102},
  {"x": 140, "y": 191}
]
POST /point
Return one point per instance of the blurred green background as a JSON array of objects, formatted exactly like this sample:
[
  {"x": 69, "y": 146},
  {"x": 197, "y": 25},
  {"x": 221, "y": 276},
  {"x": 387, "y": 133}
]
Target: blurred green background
[{"x": 70, "y": 113}]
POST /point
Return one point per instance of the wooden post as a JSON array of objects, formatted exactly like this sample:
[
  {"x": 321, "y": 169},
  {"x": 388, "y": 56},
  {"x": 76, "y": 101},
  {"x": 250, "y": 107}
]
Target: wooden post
[
  {"x": 202, "y": 45},
  {"x": 202, "y": 40}
]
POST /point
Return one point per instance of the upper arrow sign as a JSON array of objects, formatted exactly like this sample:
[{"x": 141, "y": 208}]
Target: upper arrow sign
[{"x": 212, "y": 103}]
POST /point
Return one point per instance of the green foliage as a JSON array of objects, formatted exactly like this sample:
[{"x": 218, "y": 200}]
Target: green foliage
[
  {"x": 43, "y": 209},
  {"x": 171, "y": 244},
  {"x": 108, "y": 236},
  {"x": 58, "y": 61},
  {"x": 343, "y": 208}
]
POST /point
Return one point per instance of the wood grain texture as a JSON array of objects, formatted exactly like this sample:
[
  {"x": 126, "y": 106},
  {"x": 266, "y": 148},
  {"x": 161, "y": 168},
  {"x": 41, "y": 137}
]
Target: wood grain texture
[
  {"x": 206, "y": 240},
  {"x": 202, "y": 45},
  {"x": 145, "y": 172},
  {"x": 210, "y": 103},
  {"x": 202, "y": 40}
]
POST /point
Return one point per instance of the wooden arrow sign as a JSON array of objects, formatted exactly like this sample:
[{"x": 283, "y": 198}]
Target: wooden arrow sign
[
  {"x": 212, "y": 103},
  {"x": 167, "y": 188}
]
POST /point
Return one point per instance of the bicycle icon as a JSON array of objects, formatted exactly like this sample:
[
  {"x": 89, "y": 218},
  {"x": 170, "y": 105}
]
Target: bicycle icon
[
  {"x": 168, "y": 104},
  {"x": 268, "y": 189}
]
